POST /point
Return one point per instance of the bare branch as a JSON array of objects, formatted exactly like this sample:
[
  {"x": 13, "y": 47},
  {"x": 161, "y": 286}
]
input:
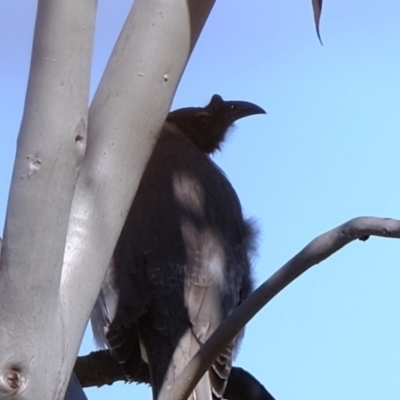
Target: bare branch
[
  {"x": 125, "y": 118},
  {"x": 316, "y": 251},
  {"x": 45, "y": 307},
  {"x": 74, "y": 390},
  {"x": 100, "y": 368},
  {"x": 51, "y": 145}
]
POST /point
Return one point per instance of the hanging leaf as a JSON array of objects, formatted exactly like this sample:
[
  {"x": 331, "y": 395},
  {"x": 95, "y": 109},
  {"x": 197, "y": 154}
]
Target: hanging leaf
[{"x": 317, "y": 8}]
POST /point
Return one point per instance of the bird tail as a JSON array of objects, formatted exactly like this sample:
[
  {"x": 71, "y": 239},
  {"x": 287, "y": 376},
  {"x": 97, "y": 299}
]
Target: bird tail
[
  {"x": 213, "y": 383},
  {"x": 202, "y": 303}
]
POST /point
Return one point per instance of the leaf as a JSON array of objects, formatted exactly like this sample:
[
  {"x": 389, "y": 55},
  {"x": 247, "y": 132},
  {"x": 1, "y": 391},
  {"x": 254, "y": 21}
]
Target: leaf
[{"x": 317, "y": 8}]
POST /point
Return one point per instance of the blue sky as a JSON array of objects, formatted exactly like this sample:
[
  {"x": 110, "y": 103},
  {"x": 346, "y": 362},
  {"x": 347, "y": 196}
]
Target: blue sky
[{"x": 327, "y": 151}]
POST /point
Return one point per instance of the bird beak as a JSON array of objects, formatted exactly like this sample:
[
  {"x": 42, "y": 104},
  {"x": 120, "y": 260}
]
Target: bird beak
[{"x": 241, "y": 109}]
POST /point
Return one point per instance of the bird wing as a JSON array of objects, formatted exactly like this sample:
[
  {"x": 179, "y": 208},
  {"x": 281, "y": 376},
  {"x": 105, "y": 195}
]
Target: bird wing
[
  {"x": 204, "y": 279},
  {"x": 171, "y": 267}
]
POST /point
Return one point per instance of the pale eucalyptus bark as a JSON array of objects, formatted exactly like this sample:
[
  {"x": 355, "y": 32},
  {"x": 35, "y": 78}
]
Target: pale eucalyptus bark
[
  {"x": 50, "y": 148},
  {"x": 46, "y": 294},
  {"x": 316, "y": 251},
  {"x": 74, "y": 390},
  {"x": 125, "y": 118}
]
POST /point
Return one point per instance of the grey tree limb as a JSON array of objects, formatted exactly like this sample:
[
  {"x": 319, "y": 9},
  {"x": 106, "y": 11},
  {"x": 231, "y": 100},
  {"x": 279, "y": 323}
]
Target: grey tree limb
[
  {"x": 45, "y": 307},
  {"x": 125, "y": 117},
  {"x": 316, "y": 251},
  {"x": 74, "y": 390},
  {"x": 50, "y": 148}
]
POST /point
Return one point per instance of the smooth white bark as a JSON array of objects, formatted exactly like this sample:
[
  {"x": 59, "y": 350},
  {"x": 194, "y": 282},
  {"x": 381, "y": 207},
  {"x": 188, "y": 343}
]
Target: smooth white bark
[
  {"x": 125, "y": 118},
  {"x": 316, "y": 251},
  {"x": 51, "y": 145},
  {"x": 44, "y": 309},
  {"x": 75, "y": 391}
]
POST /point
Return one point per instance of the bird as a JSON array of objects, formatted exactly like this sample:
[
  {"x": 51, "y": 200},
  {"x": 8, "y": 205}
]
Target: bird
[{"x": 182, "y": 262}]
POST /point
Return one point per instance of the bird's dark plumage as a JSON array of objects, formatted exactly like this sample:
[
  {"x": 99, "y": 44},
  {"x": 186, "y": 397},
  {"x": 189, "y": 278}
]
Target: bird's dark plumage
[
  {"x": 206, "y": 127},
  {"x": 181, "y": 264}
]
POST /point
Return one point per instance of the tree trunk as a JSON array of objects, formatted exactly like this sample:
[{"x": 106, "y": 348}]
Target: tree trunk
[{"x": 72, "y": 191}]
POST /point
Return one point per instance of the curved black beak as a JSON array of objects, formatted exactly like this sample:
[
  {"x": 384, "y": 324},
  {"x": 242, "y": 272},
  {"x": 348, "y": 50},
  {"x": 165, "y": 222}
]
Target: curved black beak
[{"x": 241, "y": 109}]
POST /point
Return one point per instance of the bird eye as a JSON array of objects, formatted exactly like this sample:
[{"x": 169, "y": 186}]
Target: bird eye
[{"x": 233, "y": 106}]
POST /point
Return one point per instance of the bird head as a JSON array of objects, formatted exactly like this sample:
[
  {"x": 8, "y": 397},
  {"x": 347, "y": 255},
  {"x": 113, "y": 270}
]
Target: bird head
[{"x": 206, "y": 126}]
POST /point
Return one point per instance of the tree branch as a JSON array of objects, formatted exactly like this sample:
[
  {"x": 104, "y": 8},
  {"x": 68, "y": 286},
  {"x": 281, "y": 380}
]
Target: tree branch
[
  {"x": 100, "y": 368},
  {"x": 50, "y": 148},
  {"x": 75, "y": 390},
  {"x": 125, "y": 117},
  {"x": 47, "y": 294},
  {"x": 316, "y": 251}
]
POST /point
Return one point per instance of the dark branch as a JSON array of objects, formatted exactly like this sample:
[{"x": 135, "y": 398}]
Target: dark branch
[{"x": 100, "y": 368}]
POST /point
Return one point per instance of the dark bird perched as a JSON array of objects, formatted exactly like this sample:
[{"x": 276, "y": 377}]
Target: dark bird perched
[{"x": 182, "y": 261}]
